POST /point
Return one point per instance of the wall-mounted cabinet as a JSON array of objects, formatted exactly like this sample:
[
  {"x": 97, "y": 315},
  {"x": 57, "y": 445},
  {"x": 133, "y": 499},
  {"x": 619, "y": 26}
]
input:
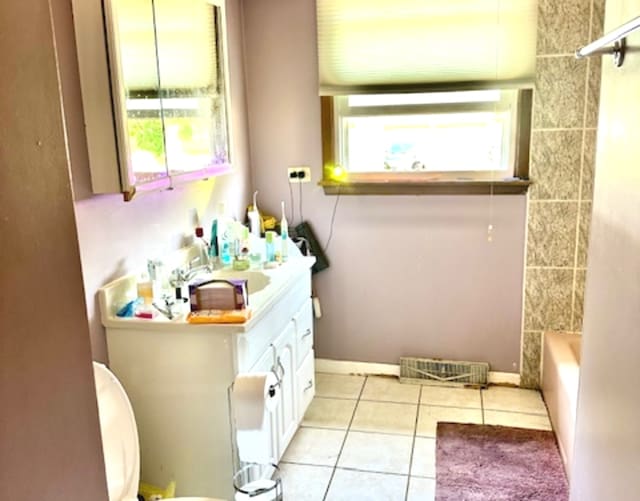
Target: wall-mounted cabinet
[{"x": 155, "y": 91}]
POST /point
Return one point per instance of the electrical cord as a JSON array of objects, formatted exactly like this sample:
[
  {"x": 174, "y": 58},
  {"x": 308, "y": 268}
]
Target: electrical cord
[
  {"x": 333, "y": 219},
  {"x": 291, "y": 204},
  {"x": 300, "y": 202}
]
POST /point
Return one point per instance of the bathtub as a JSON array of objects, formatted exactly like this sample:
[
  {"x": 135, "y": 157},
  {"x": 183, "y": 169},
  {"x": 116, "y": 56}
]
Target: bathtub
[{"x": 560, "y": 377}]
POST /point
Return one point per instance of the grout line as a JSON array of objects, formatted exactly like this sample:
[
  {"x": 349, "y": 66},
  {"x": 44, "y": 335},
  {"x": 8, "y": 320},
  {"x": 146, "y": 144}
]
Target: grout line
[
  {"x": 551, "y": 56},
  {"x": 516, "y": 412},
  {"x": 554, "y": 200},
  {"x": 549, "y": 268},
  {"x": 360, "y": 470},
  {"x": 556, "y": 129},
  {"x": 591, "y": 14},
  {"x": 413, "y": 443},
  {"x": 373, "y": 432},
  {"x": 344, "y": 440},
  {"x": 482, "y": 402}
]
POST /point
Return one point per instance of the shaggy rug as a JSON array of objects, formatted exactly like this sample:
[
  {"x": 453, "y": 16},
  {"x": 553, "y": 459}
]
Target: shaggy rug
[{"x": 498, "y": 463}]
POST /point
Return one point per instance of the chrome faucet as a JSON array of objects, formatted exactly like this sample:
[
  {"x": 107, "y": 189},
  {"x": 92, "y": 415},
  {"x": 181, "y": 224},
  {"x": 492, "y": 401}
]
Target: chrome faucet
[
  {"x": 182, "y": 276},
  {"x": 169, "y": 303}
]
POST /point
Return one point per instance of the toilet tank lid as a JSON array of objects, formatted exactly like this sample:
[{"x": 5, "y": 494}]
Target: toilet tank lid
[{"x": 119, "y": 435}]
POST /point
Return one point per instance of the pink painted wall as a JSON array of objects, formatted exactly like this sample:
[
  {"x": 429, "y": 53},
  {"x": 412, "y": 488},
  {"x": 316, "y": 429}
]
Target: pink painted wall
[
  {"x": 410, "y": 275},
  {"x": 117, "y": 237},
  {"x": 49, "y": 432},
  {"x": 606, "y": 461}
]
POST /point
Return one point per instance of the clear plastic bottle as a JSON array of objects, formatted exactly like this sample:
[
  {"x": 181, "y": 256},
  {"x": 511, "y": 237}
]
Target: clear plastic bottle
[
  {"x": 269, "y": 238},
  {"x": 225, "y": 235},
  {"x": 284, "y": 237}
]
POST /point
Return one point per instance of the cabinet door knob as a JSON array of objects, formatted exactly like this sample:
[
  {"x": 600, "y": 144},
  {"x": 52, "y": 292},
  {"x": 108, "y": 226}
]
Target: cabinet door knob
[
  {"x": 307, "y": 333},
  {"x": 309, "y": 385}
]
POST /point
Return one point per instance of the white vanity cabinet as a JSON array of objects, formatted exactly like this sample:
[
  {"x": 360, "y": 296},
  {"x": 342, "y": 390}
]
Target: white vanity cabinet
[{"x": 178, "y": 377}]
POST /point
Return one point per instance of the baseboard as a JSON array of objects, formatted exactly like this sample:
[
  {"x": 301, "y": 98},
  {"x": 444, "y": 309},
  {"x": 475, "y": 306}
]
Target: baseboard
[
  {"x": 357, "y": 368},
  {"x": 374, "y": 369}
]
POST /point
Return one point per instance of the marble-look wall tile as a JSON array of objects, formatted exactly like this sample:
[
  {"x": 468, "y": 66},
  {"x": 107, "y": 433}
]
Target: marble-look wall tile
[
  {"x": 555, "y": 164},
  {"x": 588, "y": 164},
  {"x": 559, "y": 92},
  {"x": 578, "y": 300},
  {"x": 563, "y": 26},
  {"x": 551, "y": 237},
  {"x": 548, "y": 294},
  {"x": 597, "y": 21},
  {"x": 584, "y": 226},
  {"x": 593, "y": 89},
  {"x": 531, "y": 355}
]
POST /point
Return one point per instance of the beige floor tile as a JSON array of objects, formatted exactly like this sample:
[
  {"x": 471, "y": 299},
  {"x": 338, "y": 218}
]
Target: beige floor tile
[
  {"x": 385, "y": 417},
  {"x": 315, "y": 447},
  {"x": 348, "y": 485},
  {"x": 429, "y": 416},
  {"x": 499, "y": 398},
  {"x": 451, "y": 397},
  {"x": 424, "y": 458},
  {"x": 303, "y": 482},
  {"x": 421, "y": 489},
  {"x": 333, "y": 413},
  {"x": 376, "y": 452},
  {"x": 338, "y": 385},
  {"x": 389, "y": 389},
  {"x": 517, "y": 420}
]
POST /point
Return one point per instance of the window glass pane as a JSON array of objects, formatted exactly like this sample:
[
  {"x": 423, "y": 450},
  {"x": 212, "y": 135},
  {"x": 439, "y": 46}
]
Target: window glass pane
[{"x": 452, "y": 142}]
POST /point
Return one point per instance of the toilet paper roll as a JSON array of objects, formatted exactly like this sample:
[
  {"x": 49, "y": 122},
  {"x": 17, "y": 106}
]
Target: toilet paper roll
[{"x": 251, "y": 399}]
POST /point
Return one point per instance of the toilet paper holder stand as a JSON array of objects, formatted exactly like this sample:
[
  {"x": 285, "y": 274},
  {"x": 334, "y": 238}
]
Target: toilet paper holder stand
[{"x": 278, "y": 370}]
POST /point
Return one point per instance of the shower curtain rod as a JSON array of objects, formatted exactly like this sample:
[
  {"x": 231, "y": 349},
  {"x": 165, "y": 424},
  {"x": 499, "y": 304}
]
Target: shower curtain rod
[{"x": 615, "y": 37}]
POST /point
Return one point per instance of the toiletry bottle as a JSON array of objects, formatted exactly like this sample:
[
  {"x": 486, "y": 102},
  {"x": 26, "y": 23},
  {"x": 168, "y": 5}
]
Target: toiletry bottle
[
  {"x": 225, "y": 232},
  {"x": 145, "y": 289},
  {"x": 213, "y": 246},
  {"x": 241, "y": 260},
  {"x": 155, "y": 268},
  {"x": 254, "y": 217},
  {"x": 284, "y": 237},
  {"x": 269, "y": 238},
  {"x": 203, "y": 247}
]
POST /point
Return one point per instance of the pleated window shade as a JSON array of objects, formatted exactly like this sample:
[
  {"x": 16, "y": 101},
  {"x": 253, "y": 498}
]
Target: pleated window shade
[{"x": 411, "y": 45}]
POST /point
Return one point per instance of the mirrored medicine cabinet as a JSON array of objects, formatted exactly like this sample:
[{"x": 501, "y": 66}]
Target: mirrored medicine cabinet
[{"x": 154, "y": 79}]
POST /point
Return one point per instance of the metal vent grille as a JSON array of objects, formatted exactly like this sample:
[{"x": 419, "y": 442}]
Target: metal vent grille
[{"x": 423, "y": 370}]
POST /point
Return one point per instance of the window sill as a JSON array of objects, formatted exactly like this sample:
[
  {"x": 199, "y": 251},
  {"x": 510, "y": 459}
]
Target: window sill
[{"x": 422, "y": 187}]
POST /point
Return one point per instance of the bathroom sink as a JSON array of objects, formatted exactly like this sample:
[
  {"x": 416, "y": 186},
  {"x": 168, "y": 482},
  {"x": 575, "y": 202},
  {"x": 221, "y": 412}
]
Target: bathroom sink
[
  {"x": 264, "y": 287},
  {"x": 256, "y": 279}
]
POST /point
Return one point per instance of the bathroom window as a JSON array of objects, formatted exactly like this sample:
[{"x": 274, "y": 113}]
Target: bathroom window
[{"x": 421, "y": 93}]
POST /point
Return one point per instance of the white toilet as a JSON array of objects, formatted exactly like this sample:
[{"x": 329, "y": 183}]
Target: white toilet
[{"x": 120, "y": 438}]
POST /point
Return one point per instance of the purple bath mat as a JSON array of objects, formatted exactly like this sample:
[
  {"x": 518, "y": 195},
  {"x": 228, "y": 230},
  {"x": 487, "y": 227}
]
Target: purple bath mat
[{"x": 498, "y": 463}]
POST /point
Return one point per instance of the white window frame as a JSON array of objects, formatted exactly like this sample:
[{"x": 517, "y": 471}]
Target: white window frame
[{"x": 458, "y": 103}]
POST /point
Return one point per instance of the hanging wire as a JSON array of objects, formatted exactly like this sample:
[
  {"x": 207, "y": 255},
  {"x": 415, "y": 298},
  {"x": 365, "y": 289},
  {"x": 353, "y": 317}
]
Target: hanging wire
[
  {"x": 333, "y": 218},
  {"x": 291, "y": 205},
  {"x": 300, "y": 202}
]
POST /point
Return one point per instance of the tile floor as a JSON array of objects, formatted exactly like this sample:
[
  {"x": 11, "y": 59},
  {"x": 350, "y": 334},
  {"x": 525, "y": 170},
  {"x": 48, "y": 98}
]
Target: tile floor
[{"x": 373, "y": 438}]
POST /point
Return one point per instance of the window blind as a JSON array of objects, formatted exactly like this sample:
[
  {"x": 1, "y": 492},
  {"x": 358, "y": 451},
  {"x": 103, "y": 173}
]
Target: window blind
[{"x": 411, "y": 45}]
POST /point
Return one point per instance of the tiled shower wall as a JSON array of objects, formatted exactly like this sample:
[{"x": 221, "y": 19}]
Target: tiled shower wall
[{"x": 563, "y": 138}]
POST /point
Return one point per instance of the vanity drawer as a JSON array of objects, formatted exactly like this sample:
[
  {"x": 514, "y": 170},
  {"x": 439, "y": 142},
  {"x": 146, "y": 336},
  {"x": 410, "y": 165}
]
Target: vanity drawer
[
  {"x": 304, "y": 331},
  {"x": 306, "y": 380}
]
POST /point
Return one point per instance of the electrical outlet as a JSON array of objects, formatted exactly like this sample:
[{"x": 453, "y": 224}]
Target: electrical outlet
[{"x": 299, "y": 174}]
